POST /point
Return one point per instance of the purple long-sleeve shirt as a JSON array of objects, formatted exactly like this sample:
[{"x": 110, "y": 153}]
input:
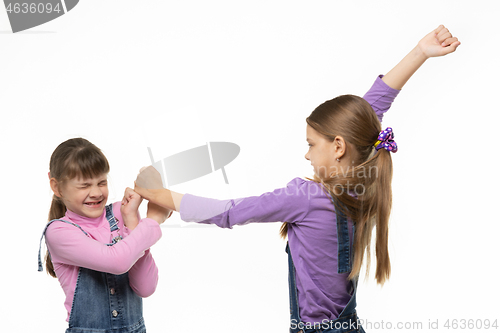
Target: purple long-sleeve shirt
[{"x": 312, "y": 235}]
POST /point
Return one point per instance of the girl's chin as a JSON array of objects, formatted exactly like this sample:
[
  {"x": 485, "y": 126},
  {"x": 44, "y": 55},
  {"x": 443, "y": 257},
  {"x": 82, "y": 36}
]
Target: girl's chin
[{"x": 94, "y": 213}]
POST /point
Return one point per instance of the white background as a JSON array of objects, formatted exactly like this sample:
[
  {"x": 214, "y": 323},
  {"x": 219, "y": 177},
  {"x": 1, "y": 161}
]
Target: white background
[{"x": 174, "y": 75}]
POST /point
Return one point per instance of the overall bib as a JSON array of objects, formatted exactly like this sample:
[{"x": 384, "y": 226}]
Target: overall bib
[
  {"x": 347, "y": 320},
  {"x": 103, "y": 302}
]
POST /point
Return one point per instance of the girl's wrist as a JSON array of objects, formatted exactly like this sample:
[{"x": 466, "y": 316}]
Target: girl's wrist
[
  {"x": 419, "y": 54},
  {"x": 130, "y": 220},
  {"x": 156, "y": 196},
  {"x": 131, "y": 225},
  {"x": 129, "y": 215}
]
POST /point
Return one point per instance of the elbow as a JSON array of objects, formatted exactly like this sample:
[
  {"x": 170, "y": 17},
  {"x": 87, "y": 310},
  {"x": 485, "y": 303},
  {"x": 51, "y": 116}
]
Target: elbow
[
  {"x": 226, "y": 225},
  {"x": 225, "y": 221},
  {"x": 145, "y": 291}
]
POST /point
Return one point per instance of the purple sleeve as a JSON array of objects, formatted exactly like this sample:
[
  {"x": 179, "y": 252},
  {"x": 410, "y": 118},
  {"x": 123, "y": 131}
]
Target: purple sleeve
[
  {"x": 289, "y": 204},
  {"x": 380, "y": 96}
]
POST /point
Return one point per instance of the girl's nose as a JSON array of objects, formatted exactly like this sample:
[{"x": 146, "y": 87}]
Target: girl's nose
[{"x": 95, "y": 192}]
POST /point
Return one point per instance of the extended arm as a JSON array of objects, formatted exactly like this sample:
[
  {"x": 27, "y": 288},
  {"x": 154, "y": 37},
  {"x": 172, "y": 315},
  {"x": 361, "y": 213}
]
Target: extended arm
[
  {"x": 285, "y": 204},
  {"x": 289, "y": 204}
]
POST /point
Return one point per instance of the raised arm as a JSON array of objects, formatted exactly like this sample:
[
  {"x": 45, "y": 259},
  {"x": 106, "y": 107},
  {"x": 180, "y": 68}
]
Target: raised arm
[{"x": 437, "y": 43}]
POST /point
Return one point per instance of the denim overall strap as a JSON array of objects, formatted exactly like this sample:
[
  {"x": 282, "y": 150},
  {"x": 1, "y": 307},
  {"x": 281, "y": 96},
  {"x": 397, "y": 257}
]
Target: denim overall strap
[
  {"x": 347, "y": 320},
  {"x": 113, "y": 223},
  {"x": 294, "y": 300},
  {"x": 104, "y": 302},
  {"x": 40, "y": 266},
  {"x": 343, "y": 243}
]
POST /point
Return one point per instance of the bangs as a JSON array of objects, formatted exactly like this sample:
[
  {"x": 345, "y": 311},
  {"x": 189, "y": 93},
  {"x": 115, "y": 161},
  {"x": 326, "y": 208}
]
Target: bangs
[{"x": 85, "y": 163}]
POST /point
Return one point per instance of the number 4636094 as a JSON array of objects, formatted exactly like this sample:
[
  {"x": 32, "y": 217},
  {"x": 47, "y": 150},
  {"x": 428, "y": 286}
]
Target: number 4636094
[
  {"x": 33, "y": 8},
  {"x": 471, "y": 324}
]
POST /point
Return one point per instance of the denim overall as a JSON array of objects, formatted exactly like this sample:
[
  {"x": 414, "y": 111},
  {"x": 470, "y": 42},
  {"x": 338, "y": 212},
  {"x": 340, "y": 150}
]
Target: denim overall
[
  {"x": 347, "y": 320},
  {"x": 103, "y": 302}
]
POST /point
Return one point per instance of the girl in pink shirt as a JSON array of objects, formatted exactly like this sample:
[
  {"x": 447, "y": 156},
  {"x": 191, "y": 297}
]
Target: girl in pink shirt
[{"x": 100, "y": 254}]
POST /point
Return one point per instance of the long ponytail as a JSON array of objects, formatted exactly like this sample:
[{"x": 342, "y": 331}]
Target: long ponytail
[
  {"x": 57, "y": 210},
  {"x": 383, "y": 193},
  {"x": 372, "y": 211}
]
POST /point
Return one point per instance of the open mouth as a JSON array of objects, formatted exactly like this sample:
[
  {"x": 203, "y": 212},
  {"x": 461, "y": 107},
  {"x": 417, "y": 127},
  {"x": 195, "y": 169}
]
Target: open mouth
[{"x": 93, "y": 204}]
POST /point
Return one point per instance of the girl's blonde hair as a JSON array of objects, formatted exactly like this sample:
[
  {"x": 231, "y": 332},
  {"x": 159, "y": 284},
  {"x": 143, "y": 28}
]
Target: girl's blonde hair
[
  {"x": 74, "y": 158},
  {"x": 352, "y": 118}
]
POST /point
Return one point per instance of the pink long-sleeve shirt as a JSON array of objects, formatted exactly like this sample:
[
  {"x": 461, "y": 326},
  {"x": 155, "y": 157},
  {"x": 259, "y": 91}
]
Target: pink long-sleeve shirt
[{"x": 71, "y": 249}]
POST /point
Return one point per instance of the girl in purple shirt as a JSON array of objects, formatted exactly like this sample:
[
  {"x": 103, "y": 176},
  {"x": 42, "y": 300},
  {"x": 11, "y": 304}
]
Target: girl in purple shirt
[{"x": 328, "y": 219}]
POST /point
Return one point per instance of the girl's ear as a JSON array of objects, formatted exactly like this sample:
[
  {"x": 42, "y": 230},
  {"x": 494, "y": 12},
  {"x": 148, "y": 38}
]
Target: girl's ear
[
  {"x": 55, "y": 187},
  {"x": 339, "y": 146}
]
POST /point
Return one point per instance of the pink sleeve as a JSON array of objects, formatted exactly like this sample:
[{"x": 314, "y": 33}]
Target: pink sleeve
[
  {"x": 143, "y": 276},
  {"x": 69, "y": 245}
]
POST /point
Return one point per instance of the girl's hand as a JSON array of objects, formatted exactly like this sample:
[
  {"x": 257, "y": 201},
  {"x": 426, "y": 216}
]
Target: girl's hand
[
  {"x": 148, "y": 180},
  {"x": 145, "y": 193},
  {"x": 438, "y": 43},
  {"x": 149, "y": 185},
  {"x": 130, "y": 202},
  {"x": 130, "y": 205}
]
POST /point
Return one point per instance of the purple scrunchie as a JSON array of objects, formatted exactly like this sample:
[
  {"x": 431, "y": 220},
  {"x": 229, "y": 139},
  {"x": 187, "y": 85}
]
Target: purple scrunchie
[{"x": 386, "y": 140}]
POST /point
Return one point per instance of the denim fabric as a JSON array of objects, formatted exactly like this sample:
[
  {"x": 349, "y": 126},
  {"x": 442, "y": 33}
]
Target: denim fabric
[
  {"x": 347, "y": 320},
  {"x": 103, "y": 302}
]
